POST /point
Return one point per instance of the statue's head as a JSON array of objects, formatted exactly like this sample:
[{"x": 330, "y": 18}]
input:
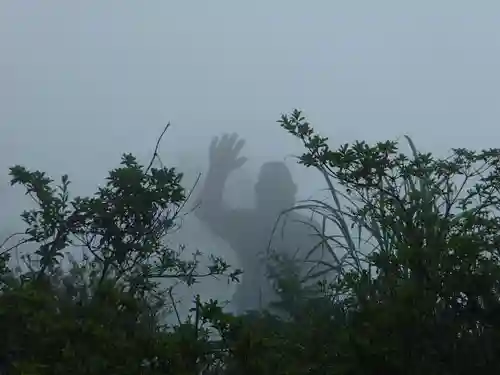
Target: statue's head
[{"x": 275, "y": 190}]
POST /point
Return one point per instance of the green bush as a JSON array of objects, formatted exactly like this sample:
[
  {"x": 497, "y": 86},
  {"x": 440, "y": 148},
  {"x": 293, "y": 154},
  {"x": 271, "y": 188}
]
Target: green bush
[
  {"x": 424, "y": 297},
  {"x": 413, "y": 274},
  {"x": 104, "y": 315}
]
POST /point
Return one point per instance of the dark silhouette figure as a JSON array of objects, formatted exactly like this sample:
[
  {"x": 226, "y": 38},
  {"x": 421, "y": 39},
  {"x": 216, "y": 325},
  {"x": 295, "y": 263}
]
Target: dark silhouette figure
[{"x": 248, "y": 231}]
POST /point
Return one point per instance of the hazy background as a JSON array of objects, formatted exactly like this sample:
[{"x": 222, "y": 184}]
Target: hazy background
[{"x": 83, "y": 81}]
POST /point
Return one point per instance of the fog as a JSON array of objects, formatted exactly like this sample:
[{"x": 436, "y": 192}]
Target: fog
[{"x": 83, "y": 82}]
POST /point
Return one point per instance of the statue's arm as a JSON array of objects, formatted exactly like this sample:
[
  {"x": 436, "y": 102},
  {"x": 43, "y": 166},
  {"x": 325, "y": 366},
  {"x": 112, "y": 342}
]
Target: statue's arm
[{"x": 214, "y": 212}]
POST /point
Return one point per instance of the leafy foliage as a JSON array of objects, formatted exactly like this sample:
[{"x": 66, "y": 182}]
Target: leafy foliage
[
  {"x": 426, "y": 293},
  {"x": 104, "y": 315},
  {"x": 413, "y": 283}
]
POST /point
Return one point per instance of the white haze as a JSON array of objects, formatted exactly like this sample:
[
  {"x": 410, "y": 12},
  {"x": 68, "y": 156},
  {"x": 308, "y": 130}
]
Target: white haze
[{"x": 83, "y": 82}]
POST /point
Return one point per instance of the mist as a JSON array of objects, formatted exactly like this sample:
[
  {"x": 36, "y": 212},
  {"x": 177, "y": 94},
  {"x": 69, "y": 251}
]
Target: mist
[{"x": 83, "y": 82}]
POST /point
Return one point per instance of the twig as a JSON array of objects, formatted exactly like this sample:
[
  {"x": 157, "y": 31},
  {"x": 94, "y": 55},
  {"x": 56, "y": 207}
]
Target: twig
[
  {"x": 9, "y": 237},
  {"x": 155, "y": 154},
  {"x": 21, "y": 242},
  {"x": 174, "y": 305}
]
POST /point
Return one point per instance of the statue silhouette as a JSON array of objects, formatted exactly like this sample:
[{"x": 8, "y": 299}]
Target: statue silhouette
[{"x": 248, "y": 231}]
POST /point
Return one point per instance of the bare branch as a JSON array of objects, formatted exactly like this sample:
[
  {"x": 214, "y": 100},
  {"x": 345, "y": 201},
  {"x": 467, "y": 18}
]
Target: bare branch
[{"x": 155, "y": 154}]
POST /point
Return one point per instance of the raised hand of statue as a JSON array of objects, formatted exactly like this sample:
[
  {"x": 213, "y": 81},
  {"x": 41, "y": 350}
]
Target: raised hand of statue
[{"x": 224, "y": 154}]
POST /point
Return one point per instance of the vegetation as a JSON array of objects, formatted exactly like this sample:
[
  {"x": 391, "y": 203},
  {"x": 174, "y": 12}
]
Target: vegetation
[{"x": 413, "y": 274}]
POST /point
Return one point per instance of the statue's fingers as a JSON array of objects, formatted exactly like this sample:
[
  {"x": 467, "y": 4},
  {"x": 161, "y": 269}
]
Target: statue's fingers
[
  {"x": 239, "y": 145},
  {"x": 224, "y": 143},
  {"x": 232, "y": 139},
  {"x": 240, "y": 161},
  {"x": 219, "y": 144},
  {"x": 213, "y": 146}
]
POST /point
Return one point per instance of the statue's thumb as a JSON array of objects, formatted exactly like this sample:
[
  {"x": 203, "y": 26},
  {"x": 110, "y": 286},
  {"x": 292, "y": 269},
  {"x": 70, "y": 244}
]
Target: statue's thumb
[{"x": 240, "y": 161}]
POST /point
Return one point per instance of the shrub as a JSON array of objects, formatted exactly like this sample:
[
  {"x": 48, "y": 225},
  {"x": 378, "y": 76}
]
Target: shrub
[
  {"x": 414, "y": 274},
  {"x": 103, "y": 316},
  {"x": 425, "y": 296}
]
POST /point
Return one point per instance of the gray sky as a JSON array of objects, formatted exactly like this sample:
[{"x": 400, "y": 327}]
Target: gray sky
[{"x": 83, "y": 81}]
